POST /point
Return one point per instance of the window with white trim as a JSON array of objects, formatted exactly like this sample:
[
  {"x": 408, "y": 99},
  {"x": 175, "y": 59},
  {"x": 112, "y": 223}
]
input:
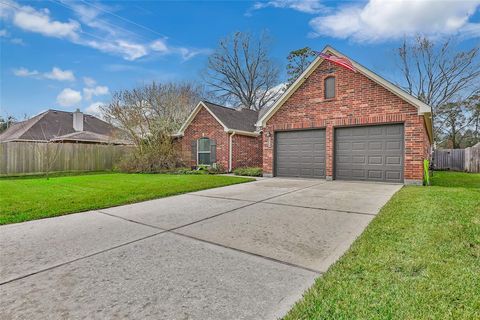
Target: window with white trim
[{"x": 203, "y": 151}]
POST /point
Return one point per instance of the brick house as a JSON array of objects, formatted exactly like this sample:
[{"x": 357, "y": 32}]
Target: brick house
[
  {"x": 331, "y": 123},
  {"x": 214, "y": 134}
]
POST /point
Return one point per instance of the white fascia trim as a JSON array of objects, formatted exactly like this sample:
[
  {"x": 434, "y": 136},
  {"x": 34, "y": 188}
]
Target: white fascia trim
[
  {"x": 24, "y": 140},
  {"x": 421, "y": 106},
  {"x": 243, "y": 133}
]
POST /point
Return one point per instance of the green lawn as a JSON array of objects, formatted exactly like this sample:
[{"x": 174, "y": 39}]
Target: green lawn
[
  {"x": 24, "y": 199},
  {"x": 418, "y": 259}
]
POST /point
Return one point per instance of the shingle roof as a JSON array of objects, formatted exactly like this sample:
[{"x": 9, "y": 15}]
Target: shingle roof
[
  {"x": 243, "y": 119},
  {"x": 52, "y": 124},
  {"x": 87, "y": 136}
]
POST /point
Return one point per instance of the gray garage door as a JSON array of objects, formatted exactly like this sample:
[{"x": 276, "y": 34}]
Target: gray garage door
[
  {"x": 300, "y": 154},
  {"x": 369, "y": 153}
]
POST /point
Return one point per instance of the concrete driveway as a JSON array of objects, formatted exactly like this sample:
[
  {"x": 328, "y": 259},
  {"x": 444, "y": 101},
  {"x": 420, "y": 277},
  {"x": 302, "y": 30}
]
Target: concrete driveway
[{"x": 240, "y": 252}]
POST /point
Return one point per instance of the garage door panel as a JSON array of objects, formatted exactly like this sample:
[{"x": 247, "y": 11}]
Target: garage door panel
[
  {"x": 375, "y": 160},
  {"x": 369, "y": 153},
  {"x": 393, "y": 175},
  {"x": 300, "y": 153},
  {"x": 374, "y": 131},
  {"x": 344, "y": 146},
  {"x": 358, "y": 159},
  {"x": 375, "y": 145},
  {"x": 375, "y": 174},
  {"x": 393, "y": 160},
  {"x": 358, "y": 146},
  {"x": 394, "y": 131},
  {"x": 393, "y": 145}
]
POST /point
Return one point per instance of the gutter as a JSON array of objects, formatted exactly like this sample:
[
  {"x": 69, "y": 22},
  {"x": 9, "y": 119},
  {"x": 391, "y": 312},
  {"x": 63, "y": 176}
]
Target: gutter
[
  {"x": 243, "y": 133},
  {"x": 177, "y": 135},
  {"x": 230, "y": 151}
]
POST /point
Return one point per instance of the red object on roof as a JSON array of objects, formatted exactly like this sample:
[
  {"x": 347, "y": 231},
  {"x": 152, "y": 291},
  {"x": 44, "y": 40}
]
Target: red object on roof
[{"x": 344, "y": 62}]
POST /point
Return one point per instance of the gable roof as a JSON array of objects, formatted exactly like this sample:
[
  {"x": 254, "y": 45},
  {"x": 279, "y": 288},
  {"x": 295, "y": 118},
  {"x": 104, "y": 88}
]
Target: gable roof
[
  {"x": 239, "y": 121},
  {"x": 52, "y": 124},
  {"x": 423, "y": 108}
]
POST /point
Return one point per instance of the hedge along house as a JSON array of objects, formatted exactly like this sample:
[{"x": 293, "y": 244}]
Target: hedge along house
[
  {"x": 334, "y": 123},
  {"x": 220, "y": 136}
]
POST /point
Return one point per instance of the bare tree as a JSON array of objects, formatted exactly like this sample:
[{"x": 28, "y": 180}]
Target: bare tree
[
  {"x": 6, "y": 122},
  {"x": 48, "y": 151},
  {"x": 436, "y": 74},
  {"x": 150, "y": 115},
  {"x": 241, "y": 72}
]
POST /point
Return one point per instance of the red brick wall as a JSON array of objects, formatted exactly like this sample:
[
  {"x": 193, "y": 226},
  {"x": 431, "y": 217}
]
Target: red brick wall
[
  {"x": 358, "y": 101},
  {"x": 247, "y": 151},
  {"x": 205, "y": 125}
]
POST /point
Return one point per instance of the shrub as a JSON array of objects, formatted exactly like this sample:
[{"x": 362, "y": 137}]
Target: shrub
[
  {"x": 218, "y": 168},
  {"x": 188, "y": 171},
  {"x": 248, "y": 171}
]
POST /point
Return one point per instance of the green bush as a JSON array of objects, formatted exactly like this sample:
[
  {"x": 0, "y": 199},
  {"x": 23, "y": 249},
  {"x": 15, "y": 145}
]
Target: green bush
[
  {"x": 188, "y": 171},
  {"x": 248, "y": 171}
]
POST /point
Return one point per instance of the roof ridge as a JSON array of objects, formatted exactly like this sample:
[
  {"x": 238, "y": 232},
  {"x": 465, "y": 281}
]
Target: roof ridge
[
  {"x": 228, "y": 108},
  {"x": 28, "y": 126},
  {"x": 56, "y": 110},
  {"x": 218, "y": 105}
]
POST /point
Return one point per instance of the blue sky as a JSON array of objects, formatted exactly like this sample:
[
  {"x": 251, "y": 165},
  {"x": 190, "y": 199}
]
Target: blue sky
[{"x": 66, "y": 54}]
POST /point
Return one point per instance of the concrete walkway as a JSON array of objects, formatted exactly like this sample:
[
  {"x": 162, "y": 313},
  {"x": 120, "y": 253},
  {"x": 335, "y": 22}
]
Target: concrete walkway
[{"x": 240, "y": 252}]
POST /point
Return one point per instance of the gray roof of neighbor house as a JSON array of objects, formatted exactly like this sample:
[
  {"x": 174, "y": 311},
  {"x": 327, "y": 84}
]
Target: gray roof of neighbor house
[
  {"x": 243, "y": 119},
  {"x": 56, "y": 125}
]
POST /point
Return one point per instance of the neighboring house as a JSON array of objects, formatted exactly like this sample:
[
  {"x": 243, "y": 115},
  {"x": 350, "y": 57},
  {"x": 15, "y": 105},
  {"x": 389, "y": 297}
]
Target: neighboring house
[
  {"x": 331, "y": 123},
  {"x": 63, "y": 126}
]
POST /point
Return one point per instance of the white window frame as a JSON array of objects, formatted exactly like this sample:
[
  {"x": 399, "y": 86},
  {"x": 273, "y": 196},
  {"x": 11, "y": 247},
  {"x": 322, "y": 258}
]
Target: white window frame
[{"x": 198, "y": 151}]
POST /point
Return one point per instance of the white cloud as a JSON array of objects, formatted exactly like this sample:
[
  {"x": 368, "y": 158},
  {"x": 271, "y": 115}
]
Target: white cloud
[
  {"x": 56, "y": 74},
  {"x": 129, "y": 51},
  {"x": 24, "y": 72},
  {"x": 95, "y": 91},
  {"x": 3, "y": 33},
  {"x": 159, "y": 45},
  {"x": 89, "y": 82},
  {"x": 94, "y": 109},
  {"x": 91, "y": 29},
  {"x": 69, "y": 97},
  {"x": 306, "y": 6},
  {"x": 60, "y": 75},
  {"x": 382, "y": 20},
  {"x": 30, "y": 19}
]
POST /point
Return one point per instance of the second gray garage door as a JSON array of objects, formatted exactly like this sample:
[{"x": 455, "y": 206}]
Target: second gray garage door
[
  {"x": 300, "y": 154},
  {"x": 369, "y": 153}
]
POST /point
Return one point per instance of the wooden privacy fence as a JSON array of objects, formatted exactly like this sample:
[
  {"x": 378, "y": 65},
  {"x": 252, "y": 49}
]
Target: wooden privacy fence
[
  {"x": 23, "y": 158},
  {"x": 458, "y": 159},
  {"x": 472, "y": 158}
]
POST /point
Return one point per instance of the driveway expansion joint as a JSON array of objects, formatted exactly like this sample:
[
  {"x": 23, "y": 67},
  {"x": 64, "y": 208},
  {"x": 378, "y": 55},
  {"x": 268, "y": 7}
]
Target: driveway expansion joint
[
  {"x": 172, "y": 231},
  {"x": 81, "y": 258},
  {"x": 323, "y": 209},
  {"x": 249, "y": 253}
]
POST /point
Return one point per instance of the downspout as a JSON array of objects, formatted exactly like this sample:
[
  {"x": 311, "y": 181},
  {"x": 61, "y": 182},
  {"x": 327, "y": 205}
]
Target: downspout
[{"x": 230, "y": 152}]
